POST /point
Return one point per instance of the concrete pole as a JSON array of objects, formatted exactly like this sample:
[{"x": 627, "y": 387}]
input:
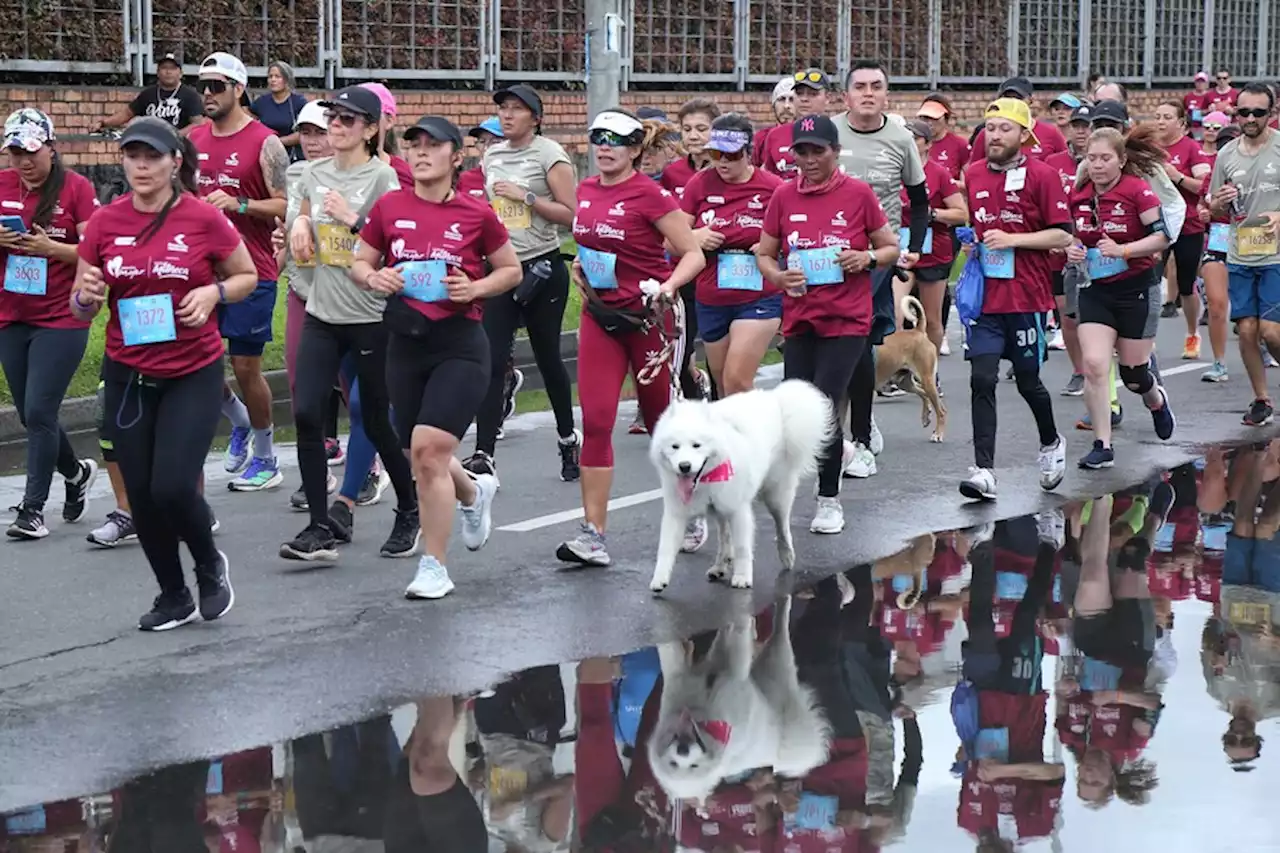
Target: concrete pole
[{"x": 604, "y": 58}]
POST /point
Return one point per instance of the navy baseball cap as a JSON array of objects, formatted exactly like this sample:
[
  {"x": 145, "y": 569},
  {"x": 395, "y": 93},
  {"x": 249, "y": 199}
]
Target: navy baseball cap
[{"x": 438, "y": 128}]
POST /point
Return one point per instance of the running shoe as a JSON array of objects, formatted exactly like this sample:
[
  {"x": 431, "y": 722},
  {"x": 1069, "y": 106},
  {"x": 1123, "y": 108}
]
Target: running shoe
[
  {"x": 169, "y": 611},
  {"x": 298, "y": 500},
  {"x": 260, "y": 475},
  {"x": 216, "y": 595},
  {"x": 333, "y": 454},
  {"x": 1074, "y": 386},
  {"x": 480, "y": 463},
  {"x": 77, "y": 500},
  {"x": 862, "y": 464},
  {"x": 1117, "y": 418},
  {"x": 406, "y": 533},
  {"x": 1057, "y": 341},
  {"x": 1098, "y": 457},
  {"x": 29, "y": 523},
  {"x": 511, "y": 386},
  {"x": 1191, "y": 348},
  {"x": 477, "y": 519},
  {"x": 1169, "y": 309},
  {"x": 1162, "y": 418},
  {"x": 1053, "y": 464},
  {"x": 588, "y": 548},
  {"x": 431, "y": 582},
  {"x": 695, "y": 535},
  {"x": 341, "y": 521},
  {"x": 945, "y": 347},
  {"x": 237, "y": 455},
  {"x": 980, "y": 485},
  {"x": 571, "y": 458},
  {"x": 1260, "y": 413},
  {"x": 637, "y": 426},
  {"x": 829, "y": 519},
  {"x": 376, "y": 483},
  {"x": 877, "y": 438},
  {"x": 1216, "y": 373},
  {"x": 314, "y": 544},
  {"x": 1051, "y": 528},
  {"x": 889, "y": 390},
  {"x": 117, "y": 530}
]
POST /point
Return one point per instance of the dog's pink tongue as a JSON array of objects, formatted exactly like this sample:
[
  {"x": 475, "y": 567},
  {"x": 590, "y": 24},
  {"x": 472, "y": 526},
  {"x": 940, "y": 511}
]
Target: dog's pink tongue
[{"x": 685, "y": 486}]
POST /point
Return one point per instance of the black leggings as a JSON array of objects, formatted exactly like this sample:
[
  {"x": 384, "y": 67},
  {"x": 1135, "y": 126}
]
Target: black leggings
[
  {"x": 984, "y": 374},
  {"x": 162, "y": 431},
  {"x": 1187, "y": 251},
  {"x": 862, "y": 394},
  {"x": 321, "y": 348},
  {"x": 688, "y": 385},
  {"x": 829, "y": 364},
  {"x": 542, "y": 318}
]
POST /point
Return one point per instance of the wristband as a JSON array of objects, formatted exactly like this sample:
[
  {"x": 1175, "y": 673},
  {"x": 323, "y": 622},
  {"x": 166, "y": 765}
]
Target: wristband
[
  {"x": 244, "y": 205},
  {"x": 222, "y": 292},
  {"x": 1124, "y": 253},
  {"x": 358, "y": 225},
  {"x": 75, "y": 297}
]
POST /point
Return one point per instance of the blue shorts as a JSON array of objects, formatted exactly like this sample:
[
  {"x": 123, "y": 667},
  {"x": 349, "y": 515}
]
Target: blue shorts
[
  {"x": 247, "y": 324},
  {"x": 1018, "y": 338},
  {"x": 1252, "y": 562},
  {"x": 1254, "y": 292},
  {"x": 714, "y": 320}
]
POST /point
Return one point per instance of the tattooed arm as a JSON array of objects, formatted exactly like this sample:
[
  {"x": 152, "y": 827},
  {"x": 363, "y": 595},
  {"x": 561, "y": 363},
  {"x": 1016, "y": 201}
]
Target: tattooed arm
[{"x": 274, "y": 161}]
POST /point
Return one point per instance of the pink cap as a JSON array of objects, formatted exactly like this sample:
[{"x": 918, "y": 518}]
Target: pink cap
[
  {"x": 1200, "y": 75},
  {"x": 1217, "y": 117},
  {"x": 384, "y": 95}
]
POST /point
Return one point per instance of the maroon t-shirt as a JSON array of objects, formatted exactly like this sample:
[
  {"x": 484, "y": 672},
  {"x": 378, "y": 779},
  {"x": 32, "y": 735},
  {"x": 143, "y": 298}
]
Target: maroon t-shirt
[
  {"x": 737, "y": 212},
  {"x": 76, "y": 203},
  {"x": 1049, "y": 140},
  {"x": 1118, "y": 216},
  {"x": 403, "y": 171},
  {"x": 1221, "y": 101},
  {"x": 776, "y": 156},
  {"x": 619, "y": 223},
  {"x": 677, "y": 176},
  {"x": 470, "y": 183},
  {"x": 1195, "y": 102},
  {"x": 462, "y": 232},
  {"x": 1185, "y": 155},
  {"x": 233, "y": 164},
  {"x": 940, "y": 185},
  {"x": 177, "y": 259},
  {"x": 844, "y": 217},
  {"x": 952, "y": 153},
  {"x": 1040, "y": 204}
]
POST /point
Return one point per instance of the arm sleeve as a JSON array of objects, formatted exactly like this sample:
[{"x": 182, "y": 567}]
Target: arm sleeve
[
  {"x": 689, "y": 201},
  {"x": 660, "y": 202},
  {"x": 918, "y": 195}
]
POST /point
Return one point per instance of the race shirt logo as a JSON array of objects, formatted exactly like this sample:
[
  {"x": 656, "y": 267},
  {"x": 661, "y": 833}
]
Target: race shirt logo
[
  {"x": 178, "y": 244},
  {"x": 452, "y": 233},
  {"x": 167, "y": 269}
]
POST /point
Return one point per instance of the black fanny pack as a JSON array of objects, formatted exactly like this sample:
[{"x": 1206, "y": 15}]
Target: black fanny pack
[
  {"x": 401, "y": 319},
  {"x": 615, "y": 321}
]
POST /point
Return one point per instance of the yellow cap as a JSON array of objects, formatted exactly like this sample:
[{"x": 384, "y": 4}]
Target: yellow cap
[{"x": 1016, "y": 111}]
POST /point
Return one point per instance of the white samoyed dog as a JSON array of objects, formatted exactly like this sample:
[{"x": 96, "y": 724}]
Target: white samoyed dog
[
  {"x": 734, "y": 712},
  {"x": 716, "y": 458}
]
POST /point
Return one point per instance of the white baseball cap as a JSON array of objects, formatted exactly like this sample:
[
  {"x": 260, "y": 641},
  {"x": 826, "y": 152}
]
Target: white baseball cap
[
  {"x": 224, "y": 65},
  {"x": 313, "y": 114},
  {"x": 617, "y": 122}
]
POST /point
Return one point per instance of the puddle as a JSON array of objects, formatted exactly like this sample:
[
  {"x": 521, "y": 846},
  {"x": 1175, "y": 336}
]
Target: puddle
[{"x": 1105, "y": 676}]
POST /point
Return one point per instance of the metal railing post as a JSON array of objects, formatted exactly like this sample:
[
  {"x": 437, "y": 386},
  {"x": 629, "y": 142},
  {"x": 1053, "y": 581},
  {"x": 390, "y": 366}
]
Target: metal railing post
[
  {"x": 1149, "y": 43},
  {"x": 1084, "y": 52},
  {"x": 741, "y": 42},
  {"x": 1207, "y": 51},
  {"x": 1264, "y": 28},
  {"x": 844, "y": 39},
  {"x": 935, "y": 42},
  {"x": 1015, "y": 20}
]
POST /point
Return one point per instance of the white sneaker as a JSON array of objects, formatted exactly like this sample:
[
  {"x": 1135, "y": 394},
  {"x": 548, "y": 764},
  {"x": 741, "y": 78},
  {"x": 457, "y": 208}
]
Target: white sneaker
[
  {"x": 695, "y": 535},
  {"x": 945, "y": 347},
  {"x": 1056, "y": 340},
  {"x": 1053, "y": 465},
  {"x": 1051, "y": 525},
  {"x": 980, "y": 485},
  {"x": 862, "y": 465},
  {"x": 432, "y": 580},
  {"x": 976, "y": 536},
  {"x": 877, "y": 439},
  {"x": 477, "y": 519},
  {"x": 830, "y": 517}
]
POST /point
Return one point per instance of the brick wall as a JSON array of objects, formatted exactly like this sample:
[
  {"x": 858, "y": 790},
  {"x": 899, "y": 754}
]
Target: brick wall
[{"x": 77, "y": 111}]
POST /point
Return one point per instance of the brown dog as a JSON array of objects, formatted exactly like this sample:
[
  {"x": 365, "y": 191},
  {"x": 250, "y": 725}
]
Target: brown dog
[{"x": 911, "y": 360}]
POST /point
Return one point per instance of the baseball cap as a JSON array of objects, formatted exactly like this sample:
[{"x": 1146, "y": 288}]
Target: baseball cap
[
  {"x": 490, "y": 125},
  {"x": 312, "y": 113},
  {"x": 359, "y": 100},
  {"x": 153, "y": 132},
  {"x": 438, "y": 128},
  {"x": 1110, "y": 111},
  {"x": 1020, "y": 86},
  {"x": 1067, "y": 100},
  {"x": 1015, "y": 111},
  {"x": 224, "y": 65},
  {"x": 385, "y": 98},
  {"x": 1083, "y": 113},
  {"x": 1201, "y": 75},
  {"x": 932, "y": 109},
  {"x": 815, "y": 130},
  {"x": 618, "y": 122},
  {"x": 28, "y": 129},
  {"x": 784, "y": 87},
  {"x": 1217, "y": 117},
  {"x": 813, "y": 78},
  {"x": 920, "y": 129},
  {"x": 728, "y": 140},
  {"x": 651, "y": 112},
  {"x": 169, "y": 58},
  {"x": 522, "y": 93}
]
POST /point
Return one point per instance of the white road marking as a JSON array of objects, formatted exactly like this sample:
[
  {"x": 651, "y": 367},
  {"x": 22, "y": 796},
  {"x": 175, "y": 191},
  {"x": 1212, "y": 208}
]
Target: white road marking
[
  {"x": 574, "y": 514},
  {"x": 1185, "y": 368}
]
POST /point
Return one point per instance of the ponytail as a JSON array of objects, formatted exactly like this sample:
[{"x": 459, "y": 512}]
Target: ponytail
[
  {"x": 50, "y": 192},
  {"x": 1141, "y": 153},
  {"x": 185, "y": 180}
]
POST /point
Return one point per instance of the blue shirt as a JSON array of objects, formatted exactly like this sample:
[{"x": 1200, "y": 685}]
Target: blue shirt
[{"x": 280, "y": 117}]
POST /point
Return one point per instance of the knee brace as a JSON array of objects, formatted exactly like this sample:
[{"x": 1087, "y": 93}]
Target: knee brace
[{"x": 1137, "y": 379}]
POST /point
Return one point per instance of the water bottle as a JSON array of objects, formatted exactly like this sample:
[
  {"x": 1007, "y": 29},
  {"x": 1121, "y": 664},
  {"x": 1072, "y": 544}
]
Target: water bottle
[
  {"x": 536, "y": 276},
  {"x": 1237, "y": 204}
]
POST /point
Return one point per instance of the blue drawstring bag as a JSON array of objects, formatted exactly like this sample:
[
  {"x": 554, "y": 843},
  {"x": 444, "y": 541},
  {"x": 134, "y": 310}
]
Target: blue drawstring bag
[
  {"x": 964, "y": 713},
  {"x": 971, "y": 286}
]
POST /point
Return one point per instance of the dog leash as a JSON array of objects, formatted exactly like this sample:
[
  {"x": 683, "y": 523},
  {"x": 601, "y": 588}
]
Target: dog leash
[{"x": 671, "y": 353}]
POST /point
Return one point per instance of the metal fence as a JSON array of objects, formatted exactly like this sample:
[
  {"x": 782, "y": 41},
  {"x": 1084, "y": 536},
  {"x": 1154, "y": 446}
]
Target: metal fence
[{"x": 667, "y": 42}]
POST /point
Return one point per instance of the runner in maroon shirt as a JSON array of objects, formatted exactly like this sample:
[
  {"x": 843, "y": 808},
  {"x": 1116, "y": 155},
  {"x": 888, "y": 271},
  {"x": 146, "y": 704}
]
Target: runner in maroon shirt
[
  {"x": 1189, "y": 171},
  {"x": 812, "y": 93},
  {"x": 783, "y": 103},
  {"x": 164, "y": 260},
  {"x": 1218, "y": 131},
  {"x": 948, "y": 148},
  {"x": 1196, "y": 104},
  {"x": 390, "y": 151},
  {"x": 1068, "y": 165},
  {"x": 242, "y": 173},
  {"x": 1223, "y": 96},
  {"x": 1045, "y": 138},
  {"x": 471, "y": 182}
]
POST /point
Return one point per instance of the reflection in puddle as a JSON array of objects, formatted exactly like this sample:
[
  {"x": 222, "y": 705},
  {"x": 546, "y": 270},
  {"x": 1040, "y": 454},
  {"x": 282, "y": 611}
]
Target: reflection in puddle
[{"x": 1009, "y": 686}]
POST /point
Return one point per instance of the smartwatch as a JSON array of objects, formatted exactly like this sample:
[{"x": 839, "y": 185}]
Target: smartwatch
[
  {"x": 244, "y": 204},
  {"x": 359, "y": 224},
  {"x": 530, "y": 197},
  {"x": 872, "y": 262}
]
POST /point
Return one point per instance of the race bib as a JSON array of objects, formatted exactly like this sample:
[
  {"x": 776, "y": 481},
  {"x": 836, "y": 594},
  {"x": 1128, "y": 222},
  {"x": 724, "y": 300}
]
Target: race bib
[
  {"x": 816, "y": 812},
  {"x": 1215, "y": 537},
  {"x": 993, "y": 744},
  {"x": 1250, "y": 615},
  {"x": 146, "y": 319},
  {"x": 1011, "y": 586},
  {"x": 1097, "y": 675},
  {"x": 1219, "y": 237},
  {"x": 1255, "y": 241},
  {"x": 424, "y": 281},
  {"x": 26, "y": 275},
  {"x": 818, "y": 265},
  {"x": 337, "y": 244},
  {"x": 904, "y": 239},
  {"x": 508, "y": 783},
  {"x": 997, "y": 263},
  {"x": 1197, "y": 116},
  {"x": 1101, "y": 267},
  {"x": 601, "y": 268},
  {"x": 738, "y": 271},
  {"x": 514, "y": 214},
  {"x": 906, "y": 583}
]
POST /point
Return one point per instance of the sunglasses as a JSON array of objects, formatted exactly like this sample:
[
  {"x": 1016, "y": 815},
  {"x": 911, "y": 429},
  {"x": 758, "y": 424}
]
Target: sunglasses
[
  {"x": 344, "y": 118},
  {"x": 1254, "y": 113},
  {"x": 609, "y": 139},
  {"x": 216, "y": 87},
  {"x": 1231, "y": 739},
  {"x": 724, "y": 155},
  {"x": 809, "y": 76},
  {"x": 1213, "y": 127}
]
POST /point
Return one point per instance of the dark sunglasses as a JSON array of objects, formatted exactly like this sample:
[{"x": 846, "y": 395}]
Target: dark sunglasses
[
  {"x": 609, "y": 139},
  {"x": 1231, "y": 739},
  {"x": 1213, "y": 127},
  {"x": 216, "y": 87},
  {"x": 722, "y": 155},
  {"x": 345, "y": 118},
  {"x": 1254, "y": 113}
]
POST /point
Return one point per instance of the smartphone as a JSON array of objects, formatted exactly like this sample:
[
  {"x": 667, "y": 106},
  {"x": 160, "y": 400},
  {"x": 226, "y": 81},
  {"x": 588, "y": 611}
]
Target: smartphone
[{"x": 14, "y": 223}]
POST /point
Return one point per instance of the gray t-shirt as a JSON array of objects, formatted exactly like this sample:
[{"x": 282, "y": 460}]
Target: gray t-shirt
[
  {"x": 1257, "y": 179},
  {"x": 531, "y": 234},
  {"x": 334, "y": 297},
  {"x": 299, "y": 278},
  {"x": 886, "y": 159}
]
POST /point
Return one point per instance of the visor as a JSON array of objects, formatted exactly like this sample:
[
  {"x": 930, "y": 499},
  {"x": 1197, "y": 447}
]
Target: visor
[
  {"x": 728, "y": 141},
  {"x": 617, "y": 122},
  {"x": 932, "y": 109}
]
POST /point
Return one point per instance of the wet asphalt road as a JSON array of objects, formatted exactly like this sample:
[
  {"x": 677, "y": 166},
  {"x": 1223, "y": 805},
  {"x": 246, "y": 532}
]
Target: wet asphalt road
[{"x": 87, "y": 701}]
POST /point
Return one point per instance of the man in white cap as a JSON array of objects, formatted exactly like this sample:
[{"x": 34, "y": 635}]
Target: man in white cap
[
  {"x": 783, "y": 102},
  {"x": 243, "y": 168}
]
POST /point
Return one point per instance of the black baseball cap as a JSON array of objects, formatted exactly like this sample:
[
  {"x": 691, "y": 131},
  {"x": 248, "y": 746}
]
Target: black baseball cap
[
  {"x": 651, "y": 112},
  {"x": 815, "y": 130},
  {"x": 168, "y": 59},
  {"x": 813, "y": 78},
  {"x": 1083, "y": 113},
  {"x": 438, "y": 128},
  {"x": 359, "y": 100},
  {"x": 155, "y": 133},
  {"x": 1109, "y": 110},
  {"x": 1019, "y": 86},
  {"x": 522, "y": 93}
]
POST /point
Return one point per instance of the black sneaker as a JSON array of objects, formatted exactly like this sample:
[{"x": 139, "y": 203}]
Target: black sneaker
[
  {"x": 511, "y": 386},
  {"x": 342, "y": 522},
  {"x": 77, "y": 502},
  {"x": 216, "y": 594},
  {"x": 1259, "y": 414},
  {"x": 316, "y": 543},
  {"x": 29, "y": 523},
  {"x": 169, "y": 611},
  {"x": 481, "y": 463},
  {"x": 1098, "y": 458},
  {"x": 570, "y": 458},
  {"x": 405, "y": 534},
  {"x": 1169, "y": 309},
  {"x": 1162, "y": 497},
  {"x": 298, "y": 501},
  {"x": 1163, "y": 420}
]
